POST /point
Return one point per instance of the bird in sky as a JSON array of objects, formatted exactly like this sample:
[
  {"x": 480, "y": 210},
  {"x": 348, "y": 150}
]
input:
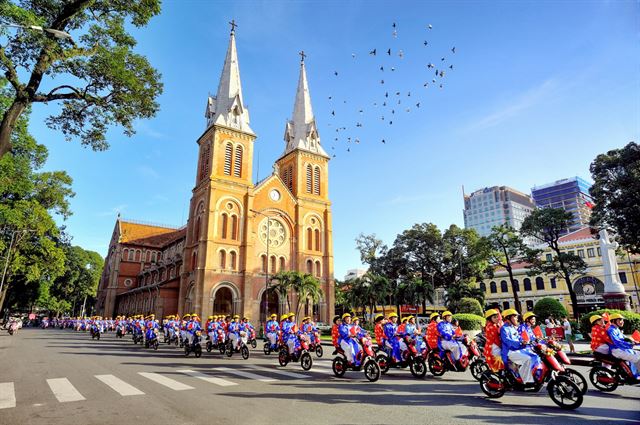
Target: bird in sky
[
  {"x": 393, "y": 68},
  {"x": 383, "y": 141},
  {"x": 333, "y": 113},
  {"x": 441, "y": 74},
  {"x": 430, "y": 26},
  {"x": 451, "y": 66},
  {"x": 442, "y": 59},
  {"x": 373, "y": 52},
  {"x": 389, "y": 52},
  {"x": 390, "y": 122},
  {"x": 335, "y": 73},
  {"x": 382, "y": 68},
  {"x": 430, "y": 65},
  {"x": 418, "y": 105},
  {"x": 401, "y": 54},
  {"x": 381, "y": 81},
  {"x": 353, "y": 55},
  {"x": 453, "y": 49},
  {"x": 426, "y": 43},
  {"x": 395, "y": 34}
]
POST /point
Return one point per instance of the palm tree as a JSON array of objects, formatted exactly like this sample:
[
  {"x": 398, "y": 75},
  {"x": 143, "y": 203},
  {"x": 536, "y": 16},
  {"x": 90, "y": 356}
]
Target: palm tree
[{"x": 283, "y": 283}]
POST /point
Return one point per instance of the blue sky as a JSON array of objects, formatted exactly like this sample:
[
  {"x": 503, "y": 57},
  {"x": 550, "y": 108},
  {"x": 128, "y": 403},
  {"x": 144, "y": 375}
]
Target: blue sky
[{"x": 538, "y": 89}]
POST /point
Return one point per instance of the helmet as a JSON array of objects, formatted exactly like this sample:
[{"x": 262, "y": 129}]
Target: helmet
[
  {"x": 235, "y": 316},
  {"x": 394, "y": 314},
  {"x": 434, "y": 315},
  {"x": 527, "y": 315},
  {"x": 594, "y": 318},
  {"x": 344, "y": 316},
  {"x": 291, "y": 315},
  {"x": 186, "y": 315},
  {"x": 509, "y": 312},
  {"x": 615, "y": 316},
  {"x": 306, "y": 318},
  {"x": 404, "y": 320},
  {"x": 246, "y": 318},
  {"x": 284, "y": 317},
  {"x": 354, "y": 318},
  {"x": 273, "y": 316},
  {"x": 490, "y": 312},
  {"x": 409, "y": 318},
  {"x": 335, "y": 319},
  {"x": 447, "y": 313},
  {"x": 378, "y": 317}
]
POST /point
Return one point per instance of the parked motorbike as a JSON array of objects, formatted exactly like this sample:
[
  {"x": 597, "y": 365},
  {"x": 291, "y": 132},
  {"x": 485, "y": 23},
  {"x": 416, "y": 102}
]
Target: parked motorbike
[
  {"x": 562, "y": 390},
  {"x": 609, "y": 372},
  {"x": 301, "y": 353},
  {"x": 410, "y": 358},
  {"x": 365, "y": 360},
  {"x": 195, "y": 347}
]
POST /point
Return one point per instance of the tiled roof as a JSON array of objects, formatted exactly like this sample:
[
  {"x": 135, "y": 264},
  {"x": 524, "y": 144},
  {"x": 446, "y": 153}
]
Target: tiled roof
[
  {"x": 578, "y": 235},
  {"x": 148, "y": 235}
]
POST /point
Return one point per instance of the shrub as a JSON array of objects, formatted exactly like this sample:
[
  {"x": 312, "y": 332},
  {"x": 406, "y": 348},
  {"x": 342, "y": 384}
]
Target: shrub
[
  {"x": 469, "y": 305},
  {"x": 631, "y": 320},
  {"x": 547, "y": 307},
  {"x": 469, "y": 322}
]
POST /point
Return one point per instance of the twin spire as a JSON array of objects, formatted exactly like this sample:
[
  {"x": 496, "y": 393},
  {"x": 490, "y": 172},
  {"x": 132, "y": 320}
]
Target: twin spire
[{"x": 227, "y": 107}]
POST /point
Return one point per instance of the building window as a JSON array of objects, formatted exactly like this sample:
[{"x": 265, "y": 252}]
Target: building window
[
  {"x": 505, "y": 305},
  {"x": 316, "y": 181},
  {"x": 234, "y": 227},
  {"x": 225, "y": 223},
  {"x": 318, "y": 269},
  {"x": 553, "y": 282},
  {"x": 591, "y": 253},
  {"x": 153, "y": 257},
  {"x": 309, "y": 267},
  {"x": 223, "y": 259},
  {"x": 283, "y": 263},
  {"x": 581, "y": 253},
  {"x": 228, "y": 153},
  {"x": 148, "y": 255},
  {"x": 483, "y": 287},
  {"x": 623, "y": 277},
  {"x": 131, "y": 253},
  {"x": 273, "y": 263},
  {"x": 237, "y": 162},
  {"x": 539, "y": 283},
  {"x": 316, "y": 233},
  {"x": 196, "y": 232},
  {"x": 138, "y": 252},
  {"x": 572, "y": 252},
  {"x": 503, "y": 286},
  {"x": 527, "y": 284},
  {"x": 599, "y": 252},
  {"x": 233, "y": 259},
  {"x": 493, "y": 287},
  {"x": 264, "y": 263},
  {"x": 516, "y": 285},
  {"x": 549, "y": 258},
  {"x": 309, "y": 178},
  {"x": 194, "y": 260},
  {"x": 125, "y": 254},
  {"x": 309, "y": 238},
  {"x": 529, "y": 305}
]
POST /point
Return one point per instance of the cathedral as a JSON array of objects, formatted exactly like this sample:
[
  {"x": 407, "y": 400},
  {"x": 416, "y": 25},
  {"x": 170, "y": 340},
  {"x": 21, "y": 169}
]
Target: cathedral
[{"x": 239, "y": 233}]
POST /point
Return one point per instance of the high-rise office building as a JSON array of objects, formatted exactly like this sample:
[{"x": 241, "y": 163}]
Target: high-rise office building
[
  {"x": 493, "y": 206},
  {"x": 571, "y": 194}
]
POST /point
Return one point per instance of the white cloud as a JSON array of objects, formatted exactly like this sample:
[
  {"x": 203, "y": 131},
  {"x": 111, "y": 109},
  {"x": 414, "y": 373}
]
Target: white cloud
[{"x": 147, "y": 171}]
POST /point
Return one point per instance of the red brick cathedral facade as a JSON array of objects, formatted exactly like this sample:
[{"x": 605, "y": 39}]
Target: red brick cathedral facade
[{"x": 238, "y": 232}]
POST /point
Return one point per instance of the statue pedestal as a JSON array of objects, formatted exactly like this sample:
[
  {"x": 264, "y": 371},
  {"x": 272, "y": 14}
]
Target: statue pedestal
[{"x": 618, "y": 301}]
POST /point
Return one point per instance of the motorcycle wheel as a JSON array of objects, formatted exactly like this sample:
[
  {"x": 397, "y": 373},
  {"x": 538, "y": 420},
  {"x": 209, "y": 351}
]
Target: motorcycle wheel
[
  {"x": 186, "y": 350},
  {"x": 209, "y": 347},
  {"x": 244, "y": 351},
  {"x": 222, "y": 347},
  {"x": 228, "y": 350},
  {"x": 155, "y": 345},
  {"x": 306, "y": 361},
  {"x": 339, "y": 366},
  {"x": 283, "y": 357},
  {"x": 254, "y": 343},
  {"x": 371, "y": 370},
  {"x": 175, "y": 341},
  {"x": 577, "y": 378},
  {"x": 565, "y": 393},
  {"x": 197, "y": 351},
  {"x": 492, "y": 385},
  {"x": 10, "y": 331},
  {"x": 478, "y": 368},
  {"x": 319, "y": 351},
  {"x": 383, "y": 362},
  {"x": 266, "y": 348},
  {"x": 436, "y": 366},
  {"x": 146, "y": 344},
  {"x": 607, "y": 375},
  {"x": 418, "y": 367}
]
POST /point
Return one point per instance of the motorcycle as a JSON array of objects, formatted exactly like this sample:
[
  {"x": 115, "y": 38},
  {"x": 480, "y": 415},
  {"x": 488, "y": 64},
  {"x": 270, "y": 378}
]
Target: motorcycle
[
  {"x": 410, "y": 357},
  {"x": 173, "y": 336},
  {"x": 195, "y": 346},
  {"x": 13, "y": 327},
  {"x": 120, "y": 331},
  {"x": 152, "y": 339},
  {"x": 575, "y": 376},
  {"x": 137, "y": 336},
  {"x": 268, "y": 348},
  {"x": 365, "y": 360},
  {"x": 241, "y": 346},
  {"x": 252, "y": 339},
  {"x": 561, "y": 389},
  {"x": 315, "y": 346},
  {"x": 441, "y": 362},
  {"x": 300, "y": 354},
  {"x": 609, "y": 372},
  {"x": 95, "y": 332}
]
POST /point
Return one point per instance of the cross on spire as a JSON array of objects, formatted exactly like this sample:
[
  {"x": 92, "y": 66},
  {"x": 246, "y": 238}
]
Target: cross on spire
[
  {"x": 302, "y": 55},
  {"x": 233, "y": 26}
]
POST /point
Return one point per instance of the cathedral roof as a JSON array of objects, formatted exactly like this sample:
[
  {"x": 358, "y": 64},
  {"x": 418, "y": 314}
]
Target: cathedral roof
[
  {"x": 148, "y": 234},
  {"x": 227, "y": 107},
  {"x": 301, "y": 131}
]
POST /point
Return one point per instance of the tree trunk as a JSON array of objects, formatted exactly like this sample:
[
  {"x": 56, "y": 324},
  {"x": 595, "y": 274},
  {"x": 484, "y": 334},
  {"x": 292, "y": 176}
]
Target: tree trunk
[
  {"x": 572, "y": 294},
  {"x": 516, "y": 300},
  {"x": 9, "y": 121},
  {"x": 3, "y": 295}
]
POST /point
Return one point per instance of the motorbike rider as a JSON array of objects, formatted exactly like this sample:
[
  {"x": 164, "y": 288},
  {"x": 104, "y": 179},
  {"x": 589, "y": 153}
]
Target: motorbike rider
[
  {"x": 345, "y": 339},
  {"x": 233, "y": 332},
  {"x": 335, "y": 331},
  {"x": 183, "y": 326},
  {"x": 192, "y": 327},
  {"x": 247, "y": 326},
  {"x": 391, "y": 343},
  {"x": 378, "y": 329},
  {"x": 621, "y": 348},
  {"x": 432, "y": 330},
  {"x": 600, "y": 340},
  {"x": 493, "y": 346},
  {"x": 151, "y": 325},
  {"x": 526, "y": 327},
  {"x": 447, "y": 339},
  {"x": 514, "y": 349},
  {"x": 271, "y": 329},
  {"x": 290, "y": 333},
  {"x": 211, "y": 326}
]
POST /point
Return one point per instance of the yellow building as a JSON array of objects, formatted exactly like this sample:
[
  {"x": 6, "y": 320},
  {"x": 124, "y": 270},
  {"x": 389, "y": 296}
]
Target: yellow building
[{"x": 589, "y": 287}]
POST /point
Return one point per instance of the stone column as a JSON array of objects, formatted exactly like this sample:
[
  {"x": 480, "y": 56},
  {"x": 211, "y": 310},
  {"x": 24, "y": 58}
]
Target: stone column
[{"x": 614, "y": 294}]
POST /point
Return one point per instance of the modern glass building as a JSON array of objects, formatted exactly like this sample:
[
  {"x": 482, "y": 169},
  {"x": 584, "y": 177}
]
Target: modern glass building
[
  {"x": 492, "y": 206},
  {"x": 571, "y": 194}
]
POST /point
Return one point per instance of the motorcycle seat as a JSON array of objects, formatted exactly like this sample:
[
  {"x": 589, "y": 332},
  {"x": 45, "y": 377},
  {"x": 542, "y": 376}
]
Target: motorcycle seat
[{"x": 605, "y": 357}]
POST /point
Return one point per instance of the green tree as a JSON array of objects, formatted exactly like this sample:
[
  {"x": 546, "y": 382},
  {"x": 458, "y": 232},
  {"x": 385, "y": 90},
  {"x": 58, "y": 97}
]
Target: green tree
[
  {"x": 549, "y": 307},
  {"x": 460, "y": 290},
  {"x": 505, "y": 247},
  {"x": 304, "y": 286},
  {"x": 79, "y": 282},
  {"x": 547, "y": 225},
  {"x": 98, "y": 78},
  {"x": 470, "y": 306},
  {"x": 616, "y": 192}
]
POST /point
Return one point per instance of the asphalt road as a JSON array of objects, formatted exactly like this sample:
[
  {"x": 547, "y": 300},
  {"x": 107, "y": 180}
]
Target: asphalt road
[{"x": 63, "y": 377}]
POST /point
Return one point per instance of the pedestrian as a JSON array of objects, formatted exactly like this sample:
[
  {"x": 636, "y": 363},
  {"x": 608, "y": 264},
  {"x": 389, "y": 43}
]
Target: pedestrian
[{"x": 566, "y": 325}]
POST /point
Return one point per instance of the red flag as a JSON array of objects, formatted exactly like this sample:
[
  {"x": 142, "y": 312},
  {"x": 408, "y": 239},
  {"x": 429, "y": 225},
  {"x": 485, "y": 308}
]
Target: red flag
[
  {"x": 636, "y": 336},
  {"x": 458, "y": 331},
  {"x": 525, "y": 336},
  {"x": 537, "y": 332},
  {"x": 605, "y": 317}
]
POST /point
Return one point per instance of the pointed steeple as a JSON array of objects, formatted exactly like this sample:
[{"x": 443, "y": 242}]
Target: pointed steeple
[
  {"x": 301, "y": 132},
  {"x": 227, "y": 107}
]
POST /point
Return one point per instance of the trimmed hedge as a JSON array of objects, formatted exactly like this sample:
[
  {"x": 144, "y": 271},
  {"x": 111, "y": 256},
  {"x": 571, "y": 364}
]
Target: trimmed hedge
[
  {"x": 631, "y": 321},
  {"x": 547, "y": 307},
  {"x": 469, "y": 322},
  {"x": 470, "y": 306}
]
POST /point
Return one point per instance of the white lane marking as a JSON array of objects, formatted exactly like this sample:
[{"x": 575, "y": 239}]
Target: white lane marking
[
  {"x": 167, "y": 382},
  {"x": 7, "y": 395},
  {"x": 64, "y": 390},
  {"x": 279, "y": 372},
  {"x": 118, "y": 385},
  {"x": 246, "y": 374},
  {"x": 207, "y": 378}
]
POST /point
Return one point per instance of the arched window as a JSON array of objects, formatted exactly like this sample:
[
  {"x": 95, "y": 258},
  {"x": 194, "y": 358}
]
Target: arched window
[
  {"x": 309, "y": 238},
  {"x": 153, "y": 257},
  {"x": 163, "y": 273},
  {"x": 223, "y": 259},
  {"x": 516, "y": 285},
  {"x": 309, "y": 267},
  {"x": 138, "y": 254},
  {"x": 228, "y": 153},
  {"x": 503, "y": 286},
  {"x": 318, "y": 269},
  {"x": 234, "y": 260},
  {"x": 493, "y": 287},
  {"x": 131, "y": 252},
  {"x": 309, "y": 178},
  {"x": 282, "y": 264},
  {"x": 234, "y": 227},
  {"x": 539, "y": 283},
  {"x": 273, "y": 263},
  {"x": 316, "y": 181},
  {"x": 316, "y": 234},
  {"x": 527, "y": 284},
  {"x": 237, "y": 162},
  {"x": 225, "y": 221},
  {"x": 196, "y": 232},
  {"x": 125, "y": 254},
  {"x": 290, "y": 176},
  {"x": 148, "y": 255},
  {"x": 505, "y": 305},
  {"x": 483, "y": 287},
  {"x": 264, "y": 263},
  {"x": 194, "y": 260}
]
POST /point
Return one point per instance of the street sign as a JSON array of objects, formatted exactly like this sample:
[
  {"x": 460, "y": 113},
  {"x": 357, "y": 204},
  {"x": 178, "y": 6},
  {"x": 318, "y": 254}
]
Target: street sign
[{"x": 408, "y": 309}]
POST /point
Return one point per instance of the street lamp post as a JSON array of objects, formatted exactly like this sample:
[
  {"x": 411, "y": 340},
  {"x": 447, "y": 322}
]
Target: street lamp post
[
  {"x": 62, "y": 35},
  {"x": 266, "y": 276}
]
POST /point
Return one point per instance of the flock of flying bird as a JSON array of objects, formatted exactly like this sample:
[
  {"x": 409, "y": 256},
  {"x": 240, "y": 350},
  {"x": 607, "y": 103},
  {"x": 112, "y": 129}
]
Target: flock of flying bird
[{"x": 392, "y": 100}]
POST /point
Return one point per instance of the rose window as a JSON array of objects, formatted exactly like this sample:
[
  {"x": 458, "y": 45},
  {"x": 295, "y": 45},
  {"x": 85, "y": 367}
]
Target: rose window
[{"x": 273, "y": 231}]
